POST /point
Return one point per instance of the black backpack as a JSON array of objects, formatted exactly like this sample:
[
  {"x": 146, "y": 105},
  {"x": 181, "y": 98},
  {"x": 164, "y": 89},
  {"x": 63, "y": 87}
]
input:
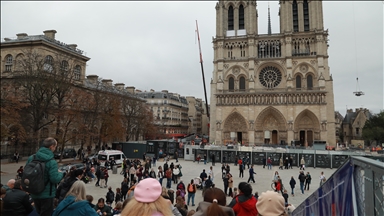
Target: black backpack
[
  {"x": 110, "y": 197},
  {"x": 33, "y": 176}
]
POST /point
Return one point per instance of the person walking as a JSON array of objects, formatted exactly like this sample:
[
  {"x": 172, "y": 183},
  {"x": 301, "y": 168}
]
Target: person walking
[
  {"x": 168, "y": 175},
  {"x": 160, "y": 175},
  {"x": 290, "y": 161},
  {"x": 241, "y": 170},
  {"x": 191, "y": 192},
  {"x": 251, "y": 173},
  {"x": 210, "y": 173},
  {"x": 269, "y": 163},
  {"x": 176, "y": 156},
  {"x": 44, "y": 200},
  {"x": 213, "y": 159},
  {"x": 226, "y": 183},
  {"x": 205, "y": 159},
  {"x": 264, "y": 162},
  {"x": 308, "y": 179},
  {"x": 302, "y": 163},
  {"x": 281, "y": 163},
  {"x": 322, "y": 178},
  {"x": 16, "y": 156},
  {"x": 292, "y": 183},
  {"x": 302, "y": 180},
  {"x": 230, "y": 184}
]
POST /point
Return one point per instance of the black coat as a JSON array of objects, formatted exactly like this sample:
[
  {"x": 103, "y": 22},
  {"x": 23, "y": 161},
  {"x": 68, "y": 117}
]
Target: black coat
[
  {"x": 292, "y": 183},
  {"x": 64, "y": 187},
  {"x": 16, "y": 202}
]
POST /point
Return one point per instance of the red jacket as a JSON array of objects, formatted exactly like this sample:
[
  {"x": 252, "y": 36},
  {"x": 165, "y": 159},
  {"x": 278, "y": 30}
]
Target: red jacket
[{"x": 244, "y": 206}]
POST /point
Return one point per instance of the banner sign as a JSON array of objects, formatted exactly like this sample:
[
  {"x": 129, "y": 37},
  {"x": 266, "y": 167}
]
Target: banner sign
[{"x": 333, "y": 198}]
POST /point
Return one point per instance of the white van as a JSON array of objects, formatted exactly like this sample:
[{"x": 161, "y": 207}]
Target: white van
[{"x": 109, "y": 154}]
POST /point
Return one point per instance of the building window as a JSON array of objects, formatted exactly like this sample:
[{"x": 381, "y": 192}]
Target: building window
[
  {"x": 48, "y": 63},
  {"x": 231, "y": 84},
  {"x": 64, "y": 66},
  {"x": 295, "y": 16},
  {"x": 8, "y": 63},
  {"x": 242, "y": 83},
  {"x": 309, "y": 82},
  {"x": 306, "y": 15},
  {"x": 357, "y": 131},
  {"x": 298, "y": 82},
  {"x": 77, "y": 72},
  {"x": 241, "y": 17},
  {"x": 230, "y": 18}
]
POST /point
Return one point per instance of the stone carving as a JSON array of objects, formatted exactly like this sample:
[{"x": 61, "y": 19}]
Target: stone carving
[
  {"x": 303, "y": 68},
  {"x": 226, "y": 66},
  {"x": 294, "y": 63},
  {"x": 257, "y": 62},
  {"x": 313, "y": 62},
  {"x": 236, "y": 70},
  {"x": 282, "y": 62},
  {"x": 251, "y": 124},
  {"x": 218, "y": 124},
  {"x": 245, "y": 65}
]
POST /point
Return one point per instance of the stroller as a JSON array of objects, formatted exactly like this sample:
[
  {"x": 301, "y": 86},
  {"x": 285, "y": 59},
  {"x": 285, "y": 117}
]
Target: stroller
[{"x": 199, "y": 184}]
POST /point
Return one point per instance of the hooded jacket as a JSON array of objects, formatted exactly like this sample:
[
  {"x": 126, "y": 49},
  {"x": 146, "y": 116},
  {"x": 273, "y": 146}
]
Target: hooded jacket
[
  {"x": 244, "y": 205},
  {"x": 203, "y": 206},
  {"x": 51, "y": 173},
  {"x": 69, "y": 207}
]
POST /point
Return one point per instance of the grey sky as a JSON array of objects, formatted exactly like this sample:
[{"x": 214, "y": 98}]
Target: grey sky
[{"x": 153, "y": 45}]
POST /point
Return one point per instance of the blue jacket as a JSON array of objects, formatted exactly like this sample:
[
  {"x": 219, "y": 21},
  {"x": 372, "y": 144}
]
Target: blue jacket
[
  {"x": 51, "y": 173},
  {"x": 80, "y": 208}
]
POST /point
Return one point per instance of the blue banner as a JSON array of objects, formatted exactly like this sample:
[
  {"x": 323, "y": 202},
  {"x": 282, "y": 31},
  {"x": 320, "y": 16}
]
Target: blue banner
[{"x": 333, "y": 198}]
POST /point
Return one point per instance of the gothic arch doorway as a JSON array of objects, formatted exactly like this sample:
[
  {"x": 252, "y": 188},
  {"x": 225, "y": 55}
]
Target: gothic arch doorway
[
  {"x": 270, "y": 127},
  {"x": 235, "y": 129},
  {"x": 306, "y": 128}
]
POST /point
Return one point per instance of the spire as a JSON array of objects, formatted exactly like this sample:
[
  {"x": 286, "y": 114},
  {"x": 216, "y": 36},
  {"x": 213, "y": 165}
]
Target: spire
[{"x": 269, "y": 22}]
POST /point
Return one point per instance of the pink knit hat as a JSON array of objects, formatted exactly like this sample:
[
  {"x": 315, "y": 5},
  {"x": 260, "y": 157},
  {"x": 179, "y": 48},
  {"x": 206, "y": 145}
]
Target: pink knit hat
[{"x": 148, "y": 190}]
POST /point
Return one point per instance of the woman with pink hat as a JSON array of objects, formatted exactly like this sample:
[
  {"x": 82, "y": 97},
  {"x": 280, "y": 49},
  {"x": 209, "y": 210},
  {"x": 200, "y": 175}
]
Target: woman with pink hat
[{"x": 147, "y": 200}]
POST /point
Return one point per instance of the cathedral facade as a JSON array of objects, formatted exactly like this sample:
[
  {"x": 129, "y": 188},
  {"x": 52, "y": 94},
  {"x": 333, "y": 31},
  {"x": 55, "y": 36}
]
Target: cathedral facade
[{"x": 271, "y": 88}]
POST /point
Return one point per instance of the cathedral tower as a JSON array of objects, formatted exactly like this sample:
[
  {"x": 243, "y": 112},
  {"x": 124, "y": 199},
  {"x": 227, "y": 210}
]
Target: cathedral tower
[{"x": 272, "y": 88}]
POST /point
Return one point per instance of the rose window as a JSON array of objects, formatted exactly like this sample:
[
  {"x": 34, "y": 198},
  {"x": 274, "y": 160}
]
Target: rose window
[{"x": 270, "y": 77}]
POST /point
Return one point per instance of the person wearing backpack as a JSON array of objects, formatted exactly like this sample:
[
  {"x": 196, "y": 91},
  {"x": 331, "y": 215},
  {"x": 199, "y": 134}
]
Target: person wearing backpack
[
  {"x": 41, "y": 174},
  {"x": 191, "y": 192},
  {"x": 65, "y": 185}
]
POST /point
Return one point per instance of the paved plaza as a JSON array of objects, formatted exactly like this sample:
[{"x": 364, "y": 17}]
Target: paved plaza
[{"x": 192, "y": 170}]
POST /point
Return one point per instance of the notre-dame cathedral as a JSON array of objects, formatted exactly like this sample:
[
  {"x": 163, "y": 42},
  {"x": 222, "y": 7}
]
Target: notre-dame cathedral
[{"x": 271, "y": 88}]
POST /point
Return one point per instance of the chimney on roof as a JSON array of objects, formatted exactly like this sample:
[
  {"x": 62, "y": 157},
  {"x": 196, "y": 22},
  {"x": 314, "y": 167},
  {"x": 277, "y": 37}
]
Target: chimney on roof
[
  {"x": 107, "y": 82},
  {"x": 151, "y": 90},
  {"x": 93, "y": 78},
  {"x": 50, "y": 33},
  {"x": 120, "y": 86},
  {"x": 21, "y": 35},
  {"x": 72, "y": 46},
  {"x": 164, "y": 91},
  {"x": 137, "y": 90},
  {"x": 130, "y": 89}
]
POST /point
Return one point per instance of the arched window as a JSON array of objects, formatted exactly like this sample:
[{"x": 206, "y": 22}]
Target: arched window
[
  {"x": 64, "y": 66},
  {"x": 295, "y": 16},
  {"x": 48, "y": 63},
  {"x": 241, "y": 17},
  {"x": 231, "y": 84},
  {"x": 242, "y": 83},
  {"x": 306, "y": 15},
  {"x": 298, "y": 82},
  {"x": 8, "y": 63},
  {"x": 77, "y": 72},
  {"x": 230, "y": 18},
  {"x": 309, "y": 82},
  {"x": 19, "y": 62}
]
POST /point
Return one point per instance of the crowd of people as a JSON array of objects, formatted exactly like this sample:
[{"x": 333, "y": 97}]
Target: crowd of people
[{"x": 141, "y": 190}]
